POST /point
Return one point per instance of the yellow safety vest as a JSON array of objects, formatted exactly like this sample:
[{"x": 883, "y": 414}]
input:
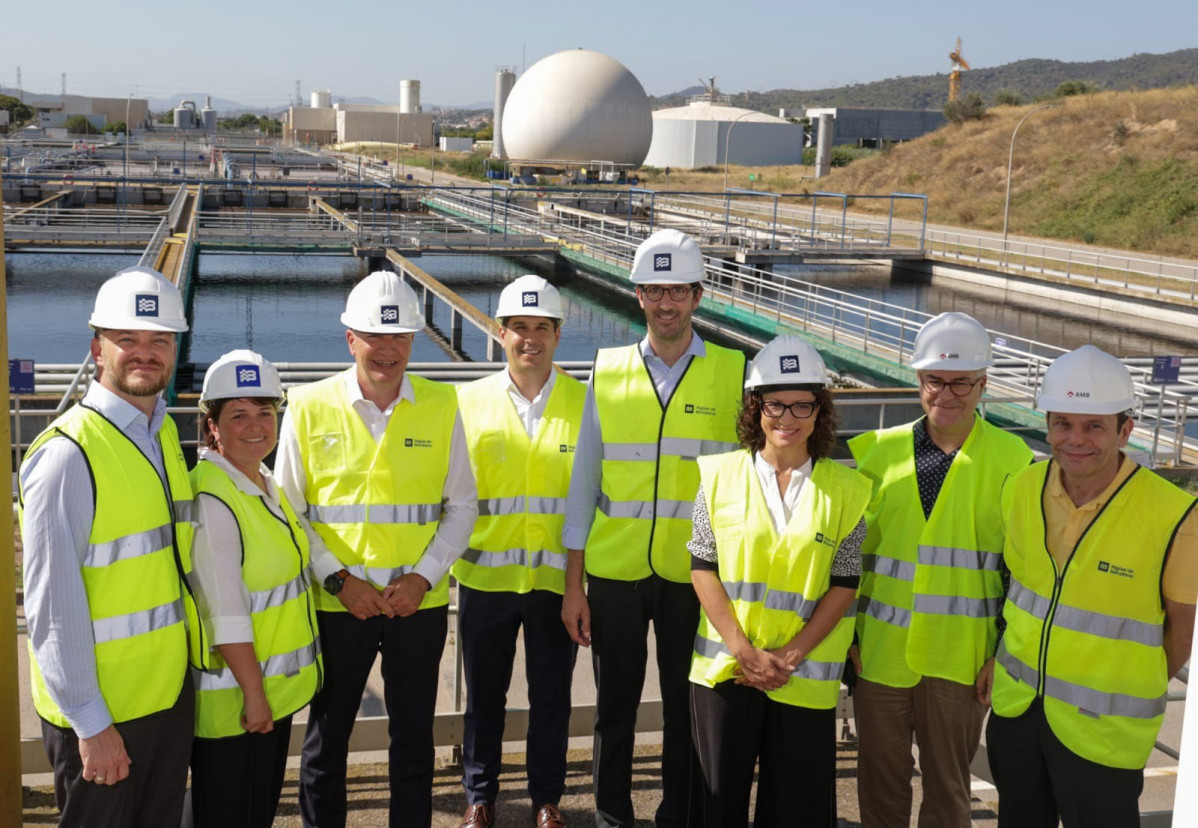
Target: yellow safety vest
[
  {"x": 643, "y": 518},
  {"x": 375, "y": 505},
  {"x": 775, "y": 582},
  {"x": 1089, "y": 639},
  {"x": 134, "y": 571},
  {"x": 274, "y": 566},
  {"x": 931, "y": 589},
  {"x": 516, "y": 545}
]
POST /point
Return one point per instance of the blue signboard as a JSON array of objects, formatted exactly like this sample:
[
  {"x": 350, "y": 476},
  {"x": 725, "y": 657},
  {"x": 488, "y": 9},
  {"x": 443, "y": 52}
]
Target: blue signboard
[
  {"x": 1166, "y": 369},
  {"x": 20, "y": 376}
]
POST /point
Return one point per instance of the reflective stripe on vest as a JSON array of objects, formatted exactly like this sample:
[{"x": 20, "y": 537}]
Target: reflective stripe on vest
[
  {"x": 138, "y": 543},
  {"x": 1088, "y": 637},
  {"x": 776, "y": 582},
  {"x": 375, "y": 504},
  {"x": 274, "y": 568},
  {"x": 522, "y": 486},
  {"x": 930, "y": 588},
  {"x": 649, "y": 475}
]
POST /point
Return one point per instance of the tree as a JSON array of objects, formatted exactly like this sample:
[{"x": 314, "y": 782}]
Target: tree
[
  {"x": 971, "y": 107},
  {"x": 115, "y": 126},
  {"x": 79, "y": 125},
  {"x": 1007, "y": 97},
  {"x": 1073, "y": 87},
  {"x": 18, "y": 113}
]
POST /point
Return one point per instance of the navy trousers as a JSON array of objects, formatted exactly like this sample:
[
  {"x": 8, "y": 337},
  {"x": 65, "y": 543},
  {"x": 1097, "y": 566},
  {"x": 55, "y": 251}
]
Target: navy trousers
[{"x": 488, "y": 623}]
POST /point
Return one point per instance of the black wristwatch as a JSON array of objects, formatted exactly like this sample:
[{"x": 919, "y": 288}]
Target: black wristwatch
[{"x": 334, "y": 583}]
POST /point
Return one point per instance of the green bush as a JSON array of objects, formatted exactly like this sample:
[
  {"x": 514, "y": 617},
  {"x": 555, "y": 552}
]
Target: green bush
[
  {"x": 1007, "y": 97},
  {"x": 116, "y": 126},
  {"x": 971, "y": 107},
  {"x": 1073, "y": 87},
  {"x": 79, "y": 125}
]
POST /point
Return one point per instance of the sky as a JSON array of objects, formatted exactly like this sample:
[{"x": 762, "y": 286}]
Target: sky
[{"x": 254, "y": 51}]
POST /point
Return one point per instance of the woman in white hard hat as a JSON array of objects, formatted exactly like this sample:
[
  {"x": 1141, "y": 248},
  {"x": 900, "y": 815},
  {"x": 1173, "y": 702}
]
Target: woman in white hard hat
[
  {"x": 251, "y": 565},
  {"x": 775, "y": 561}
]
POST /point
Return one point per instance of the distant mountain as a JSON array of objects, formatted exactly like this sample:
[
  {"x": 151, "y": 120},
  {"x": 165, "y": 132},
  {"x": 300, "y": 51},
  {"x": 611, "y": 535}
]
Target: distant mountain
[{"x": 1030, "y": 79}]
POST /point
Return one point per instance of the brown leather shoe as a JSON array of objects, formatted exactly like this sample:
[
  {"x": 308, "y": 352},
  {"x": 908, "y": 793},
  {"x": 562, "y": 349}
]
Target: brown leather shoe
[
  {"x": 478, "y": 816},
  {"x": 550, "y": 817}
]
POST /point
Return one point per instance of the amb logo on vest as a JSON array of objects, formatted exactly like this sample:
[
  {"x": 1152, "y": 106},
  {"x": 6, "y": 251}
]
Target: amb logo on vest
[
  {"x": 410, "y": 442},
  {"x": 705, "y": 410},
  {"x": 1121, "y": 571},
  {"x": 565, "y": 449},
  {"x": 820, "y": 537}
]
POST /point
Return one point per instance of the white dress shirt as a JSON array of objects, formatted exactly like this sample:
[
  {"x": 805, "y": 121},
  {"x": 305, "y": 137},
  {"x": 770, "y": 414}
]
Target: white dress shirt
[
  {"x": 781, "y": 506},
  {"x": 531, "y": 412},
  {"x": 459, "y": 495}
]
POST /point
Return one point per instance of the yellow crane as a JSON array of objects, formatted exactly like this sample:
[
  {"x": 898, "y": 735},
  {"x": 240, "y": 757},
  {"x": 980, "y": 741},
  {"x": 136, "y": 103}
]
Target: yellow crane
[{"x": 954, "y": 77}]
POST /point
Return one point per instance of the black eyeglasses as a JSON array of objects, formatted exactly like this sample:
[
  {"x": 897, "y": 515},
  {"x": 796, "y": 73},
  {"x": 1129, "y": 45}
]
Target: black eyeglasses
[
  {"x": 799, "y": 410},
  {"x": 677, "y": 292},
  {"x": 959, "y": 387}
]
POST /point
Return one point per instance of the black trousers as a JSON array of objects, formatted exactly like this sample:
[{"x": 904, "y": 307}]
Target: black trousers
[
  {"x": 1040, "y": 780},
  {"x": 159, "y": 746},
  {"x": 236, "y": 782},
  {"x": 411, "y": 650},
  {"x": 794, "y": 748},
  {"x": 488, "y": 623},
  {"x": 620, "y": 616}
]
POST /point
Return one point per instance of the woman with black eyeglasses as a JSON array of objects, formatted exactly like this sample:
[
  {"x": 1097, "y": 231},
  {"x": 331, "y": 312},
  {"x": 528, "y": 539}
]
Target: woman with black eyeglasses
[{"x": 776, "y": 557}]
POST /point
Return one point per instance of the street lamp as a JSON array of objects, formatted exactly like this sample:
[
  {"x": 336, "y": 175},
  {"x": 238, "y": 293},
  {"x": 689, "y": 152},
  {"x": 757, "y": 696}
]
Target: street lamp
[
  {"x": 128, "y": 103},
  {"x": 1006, "y": 212},
  {"x": 728, "y": 143}
]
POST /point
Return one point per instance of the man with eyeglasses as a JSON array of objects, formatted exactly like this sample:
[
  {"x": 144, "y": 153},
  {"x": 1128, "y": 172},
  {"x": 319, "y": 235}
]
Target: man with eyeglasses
[
  {"x": 651, "y": 410},
  {"x": 931, "y": 585}
]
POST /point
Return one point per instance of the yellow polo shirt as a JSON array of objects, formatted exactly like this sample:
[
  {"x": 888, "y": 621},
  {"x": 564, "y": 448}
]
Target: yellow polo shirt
[{"x": 1065, "y": 524}]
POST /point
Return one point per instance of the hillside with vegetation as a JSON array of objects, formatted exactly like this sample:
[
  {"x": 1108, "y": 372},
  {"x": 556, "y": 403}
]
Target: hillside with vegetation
[
  {"x": 1118, "y": 169},
  {"x": 1026, "y": 80}
]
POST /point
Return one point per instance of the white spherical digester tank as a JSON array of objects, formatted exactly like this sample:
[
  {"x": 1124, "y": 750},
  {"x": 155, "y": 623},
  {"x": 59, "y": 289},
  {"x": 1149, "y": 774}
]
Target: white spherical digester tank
[{"x": 578, "y": 106}]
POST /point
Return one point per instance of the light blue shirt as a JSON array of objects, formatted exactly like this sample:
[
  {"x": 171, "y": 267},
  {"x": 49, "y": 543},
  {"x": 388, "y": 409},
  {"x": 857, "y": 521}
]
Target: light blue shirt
[
  {"x": 59, "y": 503},
  {"x": 587, "y": 475}
]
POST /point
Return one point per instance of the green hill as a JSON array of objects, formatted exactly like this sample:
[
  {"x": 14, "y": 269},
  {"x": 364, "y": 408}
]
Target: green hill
[{"x": 1029, "y": 79}]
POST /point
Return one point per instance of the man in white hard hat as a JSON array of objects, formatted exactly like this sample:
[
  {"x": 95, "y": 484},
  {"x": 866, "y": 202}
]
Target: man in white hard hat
[
  {"x": 651, "y": 410},
  {"x": 1103, "y": 556},
  {"x": 377, "y": 460},
  {"x": 105, "y": 515},
  {"x": 522, "y": 428},
  {"x": 931, "y": 583}
]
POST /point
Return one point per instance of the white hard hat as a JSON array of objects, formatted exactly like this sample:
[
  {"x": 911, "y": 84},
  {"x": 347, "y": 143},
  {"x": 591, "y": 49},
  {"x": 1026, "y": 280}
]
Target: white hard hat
[
  {"x": 383, "y": 303},
  {"x": 952, "y": 342},
  {"x": 1086, "y": 381},
  {"x": 138, "y": 299},
  {"x": 668, "y": 257},
  {"x": 240, "y": 373},
  {"x": 787, "y": 360},
  {"x": 529, "y": 295}
]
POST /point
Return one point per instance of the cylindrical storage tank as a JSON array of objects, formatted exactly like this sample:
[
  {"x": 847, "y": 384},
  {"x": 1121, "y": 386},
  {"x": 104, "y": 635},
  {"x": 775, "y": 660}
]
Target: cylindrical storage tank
[
  {"x": 823, "y": 147},
  {"x": 578, "y": 106},
  {"x": 184, "y": 117},
  {"x": 409, "y": 97},
  {"x": 505, "y": 79},
  {"x": 322, "y": 99},
  {"x": 208, "y": 115}
]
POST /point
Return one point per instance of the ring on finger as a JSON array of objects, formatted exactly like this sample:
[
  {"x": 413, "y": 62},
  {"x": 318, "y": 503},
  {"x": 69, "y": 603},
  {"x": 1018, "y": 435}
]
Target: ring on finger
[{"x": 99, "y": 777}]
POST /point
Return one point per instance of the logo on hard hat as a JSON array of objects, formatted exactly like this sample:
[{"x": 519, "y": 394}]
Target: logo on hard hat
[
  {"x": 1072, "y": 394},
  {"x": 389, "y": 313},
  {"x": 147, "y": 304},
  {"x": 950, "y": 356},
  {"x": 529, "y": 299},
  {"x": 788, "y": 364},
  {"x": 663, "y": 261},
  {"x": 248, "y": 377}
]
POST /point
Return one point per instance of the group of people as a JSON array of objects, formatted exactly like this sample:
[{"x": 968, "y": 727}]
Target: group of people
[{"x": 179, "y": 620}]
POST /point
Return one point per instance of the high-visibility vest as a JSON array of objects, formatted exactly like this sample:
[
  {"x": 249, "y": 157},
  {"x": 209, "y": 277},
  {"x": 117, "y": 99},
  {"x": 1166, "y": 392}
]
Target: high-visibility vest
[
  {"x": 931, "y": 588},
  {"x": 1089, "y": 638},
  {"x": 375, "y": 505},
  {"x": 650, "y": 477},
  {"x": 522, "y": 483},
  {"x": 776, "y": 581},
  {"x": 274, "y": 566},
  {"x": 143, "y": 615}
]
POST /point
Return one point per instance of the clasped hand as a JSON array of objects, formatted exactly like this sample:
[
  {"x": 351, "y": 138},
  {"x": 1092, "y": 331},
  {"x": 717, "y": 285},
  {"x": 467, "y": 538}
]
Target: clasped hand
[{"x": 763, "y": 669}]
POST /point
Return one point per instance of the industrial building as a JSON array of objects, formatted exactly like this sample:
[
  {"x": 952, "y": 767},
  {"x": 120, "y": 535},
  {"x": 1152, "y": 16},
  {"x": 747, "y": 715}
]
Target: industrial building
[
  {"x": 708, "y": 131},
  {"x": 325, "y": 122},
  {"x": 862, "y": 127},
  {"x": 574, "y": 108},
  {"x": 54, "y": 110}
]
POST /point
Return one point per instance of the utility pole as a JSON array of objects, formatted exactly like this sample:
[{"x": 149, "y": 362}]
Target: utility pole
[
  {"x": 299, "y": 101},
  {"x": 20, "y": 86},
  {"x": 64, "y": 87}
]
